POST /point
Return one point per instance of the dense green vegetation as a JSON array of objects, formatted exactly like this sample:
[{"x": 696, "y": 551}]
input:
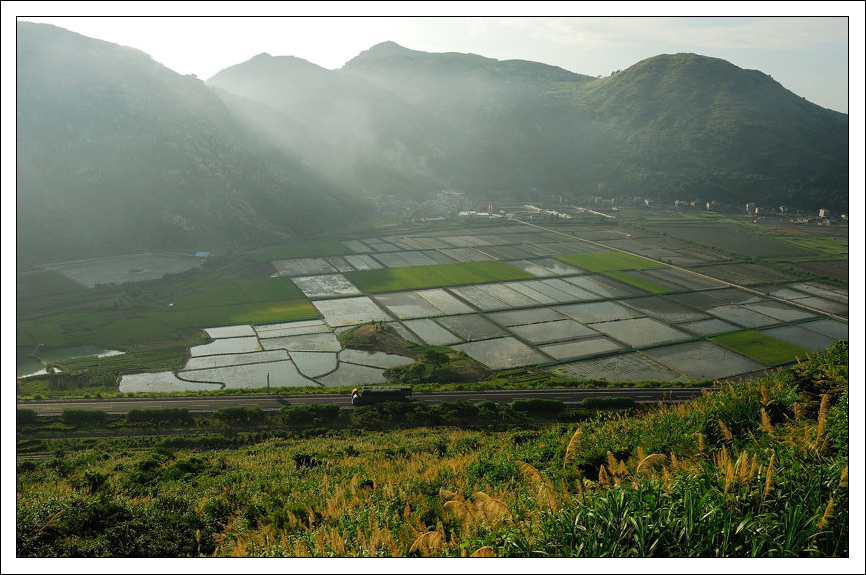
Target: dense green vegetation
[
  {"x": 758, "y": 469},
  {"x": 418, "y": 277}
]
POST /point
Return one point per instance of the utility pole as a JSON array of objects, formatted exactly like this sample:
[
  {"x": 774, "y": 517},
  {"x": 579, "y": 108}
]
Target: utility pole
[{"x": 269, "y": 383}]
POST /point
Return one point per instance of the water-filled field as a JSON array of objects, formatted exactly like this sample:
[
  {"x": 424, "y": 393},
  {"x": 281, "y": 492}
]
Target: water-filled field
[
  {"x": 407, "y": 305},
  {"x": 286, "y": 329},
  {"x": 161, "y": 382},
  {"x": 665, "y": 309},
  {"x": 350, "y": 311},
  {"x": 331, "y": 285},
  {"x": 602, "y": 311},
  {"x": 741, "y": 316},
  {"x": 431, "y": 332},
  {"x": 227, "y": 345},
  {"x": 579, "y": 348},
  {"x": 707, "y": 327},
  {"x": 779, "y": 311},
  {"x": 222, "y": 360},
  {"x": 525, "y": 316},
  {"x": 801, "y": 336},
  {"x": 502, "y": 353},
  {"x": 517, "y": 298},
  {"x": 446, "y": 303},
  {"x": 307, "y": 342},
  {"x": 825, "y": 305},
  {"x": 129, "y": 268},
  {"x": 352, "y": 374},
  {"x": 565, "y": 329},
  {"x": 835, "y": 329},
  {"x": 250, "y": 376},
  {"x": 702, "y": 360},
  {"x": 621, "y": 367},
  {"x": 230, "y": 331},
  {"x": 471, "y": 327},
  {"x": 304, "y": 267},
  {"x": 484, "y": 300},
  {"x": 640, "y": 332}
]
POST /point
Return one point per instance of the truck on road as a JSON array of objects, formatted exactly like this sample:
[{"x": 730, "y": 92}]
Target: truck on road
[{"x": 370, "y": 395}]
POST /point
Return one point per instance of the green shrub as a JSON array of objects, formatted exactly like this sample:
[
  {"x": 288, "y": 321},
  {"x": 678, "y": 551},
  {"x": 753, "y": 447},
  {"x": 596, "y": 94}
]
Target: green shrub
[
  {"x": 25, "y": 416},
  {"x": 240, "y": 415},
  {"x": 457, "y": 412},
  {"x": 313, "y": 414},
  {"x": 168, "y": 415},
  {"x": 185, "y": 468},
  {"x": 538, "y": 406},
  {"x": 84, "y": 417},
  {"x": 607, "y": 402}
]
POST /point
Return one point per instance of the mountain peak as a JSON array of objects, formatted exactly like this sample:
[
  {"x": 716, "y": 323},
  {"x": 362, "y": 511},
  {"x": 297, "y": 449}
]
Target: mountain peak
[
  {"x": 389, "y": 46},
  {"x": 383, "y": 49}
]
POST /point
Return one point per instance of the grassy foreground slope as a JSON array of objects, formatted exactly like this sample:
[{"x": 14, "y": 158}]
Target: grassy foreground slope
[{"x": 759, "y": 469}]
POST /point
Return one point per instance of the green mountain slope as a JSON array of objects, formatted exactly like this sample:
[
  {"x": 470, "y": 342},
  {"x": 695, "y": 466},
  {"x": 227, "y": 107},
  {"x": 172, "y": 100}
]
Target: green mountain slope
[{"x": 705, "y": 128}]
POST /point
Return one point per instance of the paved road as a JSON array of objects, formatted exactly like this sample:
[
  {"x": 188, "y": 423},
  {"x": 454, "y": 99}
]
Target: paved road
[{"x": 201, "y": 404}]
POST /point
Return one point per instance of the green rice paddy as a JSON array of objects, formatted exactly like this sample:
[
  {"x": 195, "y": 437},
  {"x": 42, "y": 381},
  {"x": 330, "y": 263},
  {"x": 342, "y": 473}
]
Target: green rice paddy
[
  {"x": 761, "y": 347},
  {"x": 441, "y": 275},
  {"x": 830, "y": 246}
]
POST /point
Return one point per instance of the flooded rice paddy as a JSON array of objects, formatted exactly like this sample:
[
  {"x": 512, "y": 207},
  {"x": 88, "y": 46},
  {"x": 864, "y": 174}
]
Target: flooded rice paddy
[
  {"x": 564, "y": 329},
  {"x": 566, "y": 320},
  {"x": 128, "y": 268},
  {"x": 580, "y": 348},
  {"x": 702, "y": 360},
  {"x": 502, "y": 353},
  {"x": 621, "y": 367},
  {"x": 331, "y": 285}
]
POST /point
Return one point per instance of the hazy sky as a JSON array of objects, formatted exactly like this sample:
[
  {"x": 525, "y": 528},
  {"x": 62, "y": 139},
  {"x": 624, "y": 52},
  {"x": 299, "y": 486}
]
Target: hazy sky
[{"x": 807, "y": 55}]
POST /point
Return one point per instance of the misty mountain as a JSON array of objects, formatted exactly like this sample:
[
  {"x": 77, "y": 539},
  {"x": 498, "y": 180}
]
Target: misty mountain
[
  {"x": 370, "y": 139},
  {"x": 117, "y": 152},
  {"x": 670, "y": 127},
  {"x": 398, "y": 121}
]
